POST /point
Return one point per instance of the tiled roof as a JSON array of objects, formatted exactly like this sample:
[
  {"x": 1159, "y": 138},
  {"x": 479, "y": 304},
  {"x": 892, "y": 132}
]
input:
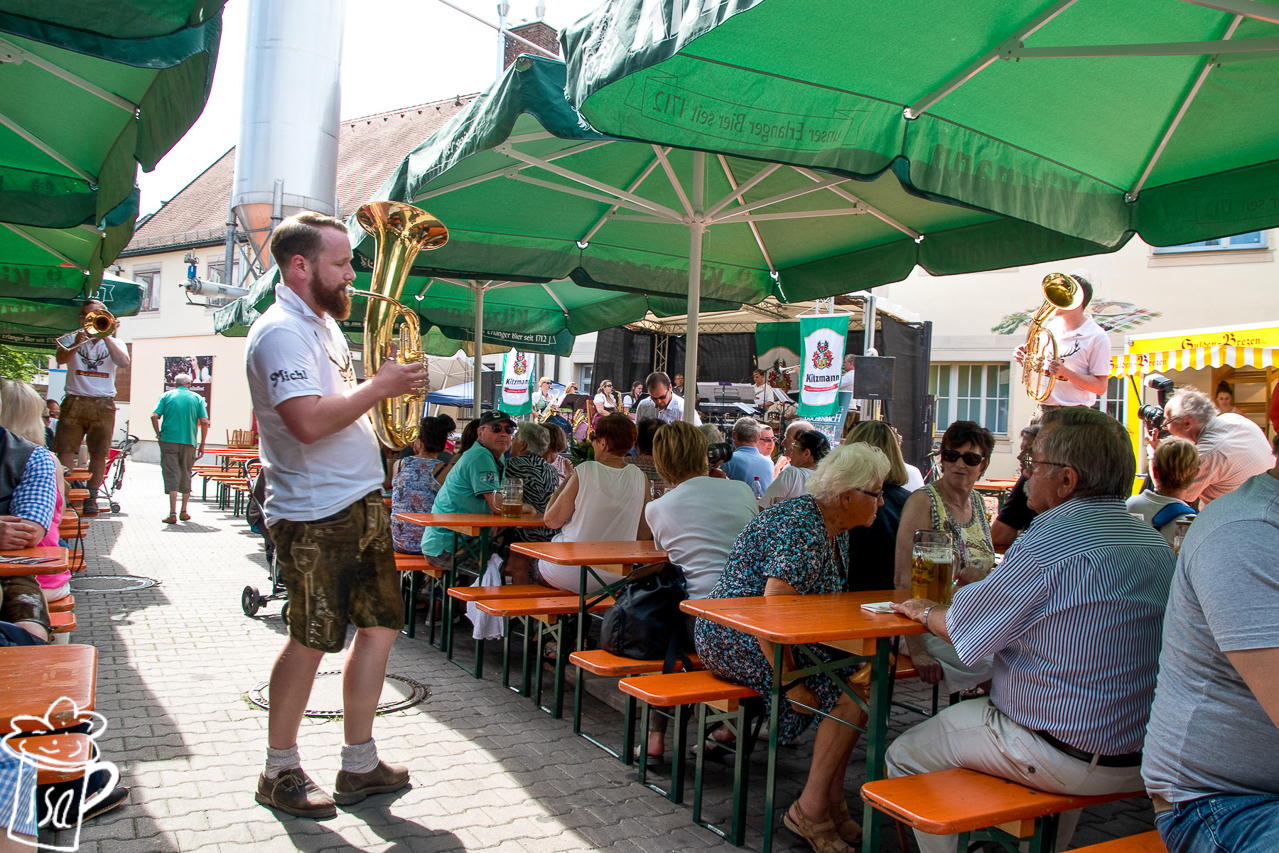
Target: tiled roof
[{"x": 369, "y": 147}]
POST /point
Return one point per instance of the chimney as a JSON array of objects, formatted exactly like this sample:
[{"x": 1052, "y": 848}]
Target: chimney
[{"x": 541, "y": 34}]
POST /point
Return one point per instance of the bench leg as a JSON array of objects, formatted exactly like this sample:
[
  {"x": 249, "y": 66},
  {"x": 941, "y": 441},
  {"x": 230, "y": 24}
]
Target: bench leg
[
  {"x": 628, "y": 732},
  {"x": 736, "y": 832},
  {"x": 679, "y": 763},
  {"x": 410, "y": 604}
]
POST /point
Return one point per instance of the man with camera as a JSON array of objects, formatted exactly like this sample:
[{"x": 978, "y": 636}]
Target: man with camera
[{"x": 1231, "y": 447}]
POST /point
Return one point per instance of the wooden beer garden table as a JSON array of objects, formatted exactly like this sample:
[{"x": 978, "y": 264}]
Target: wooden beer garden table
[
  {"x": 996, "y": 487},
  {"x": 478, "y": 526},
  {"x": 32, "y": 678},
  {"x": 837, "y": 621},
  {"x": 618, "y": 559},
  {"x": 56, "y": 556}
]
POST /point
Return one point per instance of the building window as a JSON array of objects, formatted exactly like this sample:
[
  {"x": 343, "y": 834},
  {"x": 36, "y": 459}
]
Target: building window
[
  {"x": 217, "y": 275},
  {"x": 1114, "y": 402},
  {"x": 586, "y": 378},
  {"x": 150, "y": 281},
  {"x": 1251, "y": 240},
  {"x": 971, "y": 392}
]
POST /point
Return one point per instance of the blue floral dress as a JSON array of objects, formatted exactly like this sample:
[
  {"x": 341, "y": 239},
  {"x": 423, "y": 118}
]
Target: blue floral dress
[
  {"x": 412, "y": 490},
  {"x": 789, "y": 542}
]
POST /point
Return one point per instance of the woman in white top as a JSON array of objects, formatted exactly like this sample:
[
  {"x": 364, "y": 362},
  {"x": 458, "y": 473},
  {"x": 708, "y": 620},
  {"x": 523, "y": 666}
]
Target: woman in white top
[
  {"x": 602, "y": 501},
  {"x": 696, "y": 522},
  {"x": 1173, "y": 469},
  {"x": 605, "y": 399},
  {"x": 631, "y": 400},
  {"x": 807, "y": 447}
]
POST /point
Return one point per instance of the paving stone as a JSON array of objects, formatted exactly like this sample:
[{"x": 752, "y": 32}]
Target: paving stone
[{"x": 489, "y": 771}]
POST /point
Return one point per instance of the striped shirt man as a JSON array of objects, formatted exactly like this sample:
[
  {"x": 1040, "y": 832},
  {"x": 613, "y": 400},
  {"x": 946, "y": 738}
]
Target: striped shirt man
[{"x": 1074, "y": 618}]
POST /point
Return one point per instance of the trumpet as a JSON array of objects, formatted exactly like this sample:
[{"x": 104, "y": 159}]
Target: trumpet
[
  {"x": 97, "y": 324},
  {"x": 1061, "y": 293}
]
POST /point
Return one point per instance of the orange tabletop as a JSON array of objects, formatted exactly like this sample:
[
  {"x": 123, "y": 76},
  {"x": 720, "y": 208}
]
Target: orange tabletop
[
  {"x": 57, "y": 564},
  {"x": 34, "y": 677},
  {"x": 468, "y": 523},
  {"x": 792, "y": 619},
  {"x": 79, "y": 474},
  {"x": 614, "y": 557},
  {"x": 995, "y": 485}
]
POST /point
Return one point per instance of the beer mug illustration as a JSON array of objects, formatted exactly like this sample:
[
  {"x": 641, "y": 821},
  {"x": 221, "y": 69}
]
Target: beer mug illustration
[{"x": 60, "y": 752}]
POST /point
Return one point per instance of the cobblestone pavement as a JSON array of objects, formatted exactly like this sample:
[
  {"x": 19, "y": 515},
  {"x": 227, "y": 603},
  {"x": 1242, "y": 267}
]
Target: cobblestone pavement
[{"x": 490, "y": 772}]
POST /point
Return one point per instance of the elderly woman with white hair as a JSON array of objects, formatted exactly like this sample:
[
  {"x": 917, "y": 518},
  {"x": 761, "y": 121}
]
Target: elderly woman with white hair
[{"x": 797, "y": 547}]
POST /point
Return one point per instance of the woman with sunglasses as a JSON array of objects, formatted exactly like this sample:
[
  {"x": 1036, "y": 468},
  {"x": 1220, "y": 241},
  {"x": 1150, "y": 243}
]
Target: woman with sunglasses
[
  {"x": 605, "y": 399},
  {"x": 807, "y": 447},
  {"x": 951, "y": 506}
]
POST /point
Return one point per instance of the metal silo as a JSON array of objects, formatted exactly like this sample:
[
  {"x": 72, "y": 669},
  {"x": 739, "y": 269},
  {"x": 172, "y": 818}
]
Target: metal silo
[{"x": 286, "y": 159}]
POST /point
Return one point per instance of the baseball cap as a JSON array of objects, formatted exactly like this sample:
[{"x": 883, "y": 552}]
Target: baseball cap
[{"x": 495, "y": 417}]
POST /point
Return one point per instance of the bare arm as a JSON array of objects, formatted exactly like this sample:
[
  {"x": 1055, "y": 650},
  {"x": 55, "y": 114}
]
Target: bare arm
[
  {"x": 119, "y": 354},
  {"x": 64, "y": 354},
  {"x": 1002, "y": 535},
  {"x": 1091, "y": 384},
  {"x": 916, "y": 515},
  {"x": 204, "y": 436},
  {"x": 155, "y": 422},
  {"x": 560, "y": 510},
  {"x": 645, "y": 532},
  {"x": 312, "y": 418},
  {"x": 1257, "y": 667}
]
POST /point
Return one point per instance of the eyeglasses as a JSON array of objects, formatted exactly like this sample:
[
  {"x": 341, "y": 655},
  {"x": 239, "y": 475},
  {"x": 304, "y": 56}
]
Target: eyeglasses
[
  {"x": 769, "y": 440},
  {"x": 509, "y": 429},
  {"x": 1028, "y": 463},
  {"x": 875, "y": 496},
  {"x": 971, "y": 459}
]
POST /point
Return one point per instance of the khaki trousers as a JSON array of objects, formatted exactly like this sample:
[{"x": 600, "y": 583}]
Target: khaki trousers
[{"x": 974, "y": 734}]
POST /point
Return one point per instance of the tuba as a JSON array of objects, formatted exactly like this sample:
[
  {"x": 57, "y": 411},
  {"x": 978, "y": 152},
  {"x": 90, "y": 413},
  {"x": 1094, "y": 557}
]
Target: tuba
[
  {"x": 400, "y": 231},
  {"x": 1061, "y": 293}
]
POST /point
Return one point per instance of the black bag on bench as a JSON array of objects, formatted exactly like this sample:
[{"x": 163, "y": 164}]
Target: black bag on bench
[{"x": 645, "y": 621}]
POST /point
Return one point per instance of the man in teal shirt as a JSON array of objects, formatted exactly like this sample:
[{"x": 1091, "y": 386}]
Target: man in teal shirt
[
  {"x": 181, "y": 410},
  {"x": 472, "y": 485}
]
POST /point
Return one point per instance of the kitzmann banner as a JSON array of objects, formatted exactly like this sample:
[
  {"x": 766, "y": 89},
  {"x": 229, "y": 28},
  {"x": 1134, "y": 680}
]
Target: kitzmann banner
[
  {"x": 822, "y": 338},
  {"x": 516, "y": 370}
]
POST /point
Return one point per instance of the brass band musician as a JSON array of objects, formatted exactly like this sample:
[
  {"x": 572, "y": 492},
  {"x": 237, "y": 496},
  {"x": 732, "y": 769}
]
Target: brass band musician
[{"x": 1082, "y": 367}]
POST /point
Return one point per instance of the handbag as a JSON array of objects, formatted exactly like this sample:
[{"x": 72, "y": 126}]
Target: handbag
[{"x": 644, "y": 621}]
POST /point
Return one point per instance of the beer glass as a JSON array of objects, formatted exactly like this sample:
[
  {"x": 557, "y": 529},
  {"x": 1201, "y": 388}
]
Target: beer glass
[
  {"x": 933, "y": 561},
  {"x": 512, "y": 492}
]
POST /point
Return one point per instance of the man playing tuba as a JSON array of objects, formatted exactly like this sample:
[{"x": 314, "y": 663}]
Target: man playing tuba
[{"x": 1082, "y": 367}]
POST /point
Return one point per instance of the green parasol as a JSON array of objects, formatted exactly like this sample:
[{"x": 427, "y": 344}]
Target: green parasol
[
  {"x": 32, "y": 322},
  {"x": 529, "y": 190},
  {"x": 1094, "y": 118},
  {"x": 92, "y": 89}
]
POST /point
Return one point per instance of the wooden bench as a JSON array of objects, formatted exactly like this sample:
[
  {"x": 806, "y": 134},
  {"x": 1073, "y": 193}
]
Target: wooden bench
[
  {"x": 62, "y": 622},
  {"x": 77, "y": 496},
  {"x": 608, "y": 665},
  {"x": 62, "y": 605},
  {"x": 59, "y": 758},
  {"x": 964, "y": 802},
  {"x": 541, "y": 617},
  {"x": 701, "y": 689},
  {"x": 417, "y": 570},
  {"x": 1146, "y": 842}
]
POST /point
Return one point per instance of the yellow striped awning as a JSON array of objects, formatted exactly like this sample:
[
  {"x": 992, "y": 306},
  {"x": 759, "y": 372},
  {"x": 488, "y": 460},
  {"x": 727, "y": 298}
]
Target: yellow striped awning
[{"x": 1196, "y": 358}]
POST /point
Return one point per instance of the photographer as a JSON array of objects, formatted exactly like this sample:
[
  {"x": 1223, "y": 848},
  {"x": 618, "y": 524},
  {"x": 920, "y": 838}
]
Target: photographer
[{"x": 1231, "y": 447}]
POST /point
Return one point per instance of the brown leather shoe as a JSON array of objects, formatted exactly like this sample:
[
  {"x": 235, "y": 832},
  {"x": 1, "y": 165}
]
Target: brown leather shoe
[
  {"x": 89, "y": 508},
  {"x": 293, "y": 792},
  {"x": 383, "y": 779}
]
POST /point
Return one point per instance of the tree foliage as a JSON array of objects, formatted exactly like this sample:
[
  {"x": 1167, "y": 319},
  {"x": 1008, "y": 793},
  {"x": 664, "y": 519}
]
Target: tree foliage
[{"x": 23, "y": 364}]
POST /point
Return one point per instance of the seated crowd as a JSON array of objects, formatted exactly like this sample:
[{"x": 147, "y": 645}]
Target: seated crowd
[{"x": 1063, "y": 646}]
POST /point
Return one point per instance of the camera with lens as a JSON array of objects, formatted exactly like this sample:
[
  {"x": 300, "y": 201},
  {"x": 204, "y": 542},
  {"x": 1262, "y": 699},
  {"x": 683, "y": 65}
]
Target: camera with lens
[
  {"x": 718, "y": 453},
  {"x": 1154, "y": 415}
]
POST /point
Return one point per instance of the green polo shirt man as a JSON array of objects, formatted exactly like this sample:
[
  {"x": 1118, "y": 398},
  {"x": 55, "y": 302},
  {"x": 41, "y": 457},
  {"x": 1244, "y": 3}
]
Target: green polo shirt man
[{"x": 175, "y": 419}]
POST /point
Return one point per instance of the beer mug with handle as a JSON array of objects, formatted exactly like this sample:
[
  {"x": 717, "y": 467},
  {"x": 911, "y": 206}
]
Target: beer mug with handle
[
  {"x": 512, "y": 497},
  {"x": 933, "y": 562}
]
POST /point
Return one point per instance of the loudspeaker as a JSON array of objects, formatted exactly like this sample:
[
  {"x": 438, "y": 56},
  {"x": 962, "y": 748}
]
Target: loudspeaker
[
  {"x": 873, "y": 379},
  {"x": 490, "y": 391}
]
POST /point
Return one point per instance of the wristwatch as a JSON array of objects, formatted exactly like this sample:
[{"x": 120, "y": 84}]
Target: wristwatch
[{"x": 927, "y": 612}]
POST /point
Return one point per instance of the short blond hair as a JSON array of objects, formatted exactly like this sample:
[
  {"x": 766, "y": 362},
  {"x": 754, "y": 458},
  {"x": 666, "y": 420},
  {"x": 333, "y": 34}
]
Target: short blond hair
[
  {"x": 680, "y": 452},
  {"x": 1175, "y": 464}
]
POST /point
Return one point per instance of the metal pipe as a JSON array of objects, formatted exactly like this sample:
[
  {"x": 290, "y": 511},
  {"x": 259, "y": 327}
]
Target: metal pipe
[
  {"x": 477, "y": 368},
  {"x": 697, "y": 234}
]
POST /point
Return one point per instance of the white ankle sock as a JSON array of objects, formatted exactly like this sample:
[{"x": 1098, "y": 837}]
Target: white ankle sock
[
  {"x": 360, "y": 758},
  {"x": 280, "y": 760}
]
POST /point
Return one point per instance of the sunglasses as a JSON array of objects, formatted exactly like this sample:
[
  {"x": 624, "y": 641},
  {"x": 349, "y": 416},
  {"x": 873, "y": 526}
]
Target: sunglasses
[
  {"x": 509, "y": 429},
  {"x": 970, "y": 459},
  {"x": 769, "y": 440}
]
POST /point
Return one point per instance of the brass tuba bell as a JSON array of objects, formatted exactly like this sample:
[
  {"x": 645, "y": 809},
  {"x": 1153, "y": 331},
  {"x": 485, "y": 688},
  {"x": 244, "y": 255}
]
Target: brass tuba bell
[
  {"x": 400, "y": 231},
  {"x": 99, "y": 323},
  {"x": 1061, "y": 293}
]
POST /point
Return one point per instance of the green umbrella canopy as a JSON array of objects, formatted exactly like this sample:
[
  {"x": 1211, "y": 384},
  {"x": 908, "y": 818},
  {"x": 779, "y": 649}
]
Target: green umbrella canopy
[
  {"x": 62, "y": 263},
  {"x": 33, "y": 322},
  {"x": 531, "y": 317},
  {"x": 1094, "y": 118},
  {"x": 92, "y": 90},
  {"x": 529, "y": 190}
]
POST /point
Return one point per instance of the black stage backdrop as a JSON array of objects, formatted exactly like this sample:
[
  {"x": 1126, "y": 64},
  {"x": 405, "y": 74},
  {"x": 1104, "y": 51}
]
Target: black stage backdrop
[{"x": 625, "y": 356}]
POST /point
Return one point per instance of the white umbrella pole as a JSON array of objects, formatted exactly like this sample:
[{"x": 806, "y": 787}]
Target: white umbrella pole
[
  {"x": 697, "y": 232},
  {"x": 477, "y": 368}
]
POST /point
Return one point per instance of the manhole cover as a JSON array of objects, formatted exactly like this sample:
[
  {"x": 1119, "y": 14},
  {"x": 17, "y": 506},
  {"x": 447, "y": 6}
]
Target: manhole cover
[
  {"x": 398, "y": 693},
  {"x": 111, "y": 583}
]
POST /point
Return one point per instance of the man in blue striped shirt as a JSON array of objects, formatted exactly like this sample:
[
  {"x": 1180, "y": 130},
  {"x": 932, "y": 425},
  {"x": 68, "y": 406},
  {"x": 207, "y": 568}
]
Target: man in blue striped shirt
[{"x": 1073, "y": 617}]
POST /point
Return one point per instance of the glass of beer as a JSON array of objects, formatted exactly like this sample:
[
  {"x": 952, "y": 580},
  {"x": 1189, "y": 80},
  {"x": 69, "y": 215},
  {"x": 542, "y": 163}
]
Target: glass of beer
[
  {"x": 512, "y": 492},
  {"x": 932, "y": 559}
]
